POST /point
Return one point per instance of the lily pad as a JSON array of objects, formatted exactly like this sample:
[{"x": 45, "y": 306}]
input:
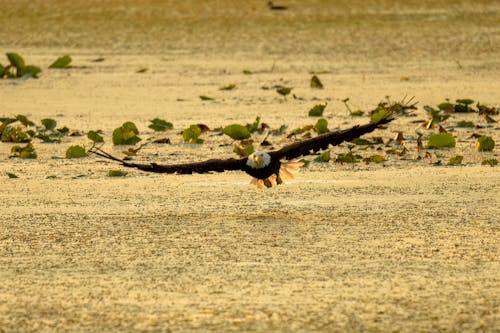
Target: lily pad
[
  {"x": 375, "y": 159},
  {"x": 316, "y": 82},
  {"x": 62, "y": 62},
  {"x": 117, "y": 173},
  {"x": 228, "y": 87},
  {"x": 191, "y": 134},
  {"x": 76, "y": 152},
  {"x": 126, "y": 134},
  {"x": 323, "y": 158},
  {"x": 95, "y": 137},
  {"x": 160, "y": 125},
  {"x": 321, "y": 126},
  {"x": 236, "y": 132},
  {"x": 317, "y": 110},
  {"x": 465, "y": 124},
  {"x": 284, "y": 91},
  {"x": 16, "y": 61},
  {"x": 485, "y": 143},
  {"x": 206, "y": 98},
  {"x": 441, "y": 140},
  {"x": 49, "y": 124},
  {"x": 455, "y": 160},
  {"x": 27, "y": 151},
  {"x": 491, "y": 162},
  {"x": 12, "y": 175}
]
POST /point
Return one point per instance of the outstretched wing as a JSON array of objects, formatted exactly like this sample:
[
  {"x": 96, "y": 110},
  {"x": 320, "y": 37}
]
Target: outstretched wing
[
  {"x": 212, "y": 165},
  {"x": 306, "y": 147}
]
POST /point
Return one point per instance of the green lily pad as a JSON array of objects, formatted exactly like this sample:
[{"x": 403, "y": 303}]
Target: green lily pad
[
  {"x": 323, "y": 158},
  {"x": 465, "y": 124},
  {"x": 16, "y": 61},
  {"x": 491, "y": 162},
  {"x": 61, "y": 62},
  {"x": 228, "y": 87},
  {"x": 126, "y": 134},
  {"x": 49, "y": 124},
  {"x": 160, "y": 125},
  {"x": 27, "y": 151},
  {"x": 236, "y": 132},
  {"x": 95, "y": 137},
  {"x": 12, "y": 175},
  {"x": 117, "y": 173},
  {"x": 284, "y": 91},
  {"x": 316, "y": 82},
  {"x": 76, "y": 152},
  {"x": 485, "y": 143},
  {"x": 441, "y": 140},
  {"x": 191, "y": 134},
  {"x": 321, "y": 126},
  {"x": 375, "y": 159},
  {"x": 206, "y": 98},
  {"x": 455, "y": 160},
  {"x": 317, "y": 110}
]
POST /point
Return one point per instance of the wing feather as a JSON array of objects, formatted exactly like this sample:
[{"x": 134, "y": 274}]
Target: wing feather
[
  {"x": 212, "y": 165},
  {"x": 323, "y": 141}
]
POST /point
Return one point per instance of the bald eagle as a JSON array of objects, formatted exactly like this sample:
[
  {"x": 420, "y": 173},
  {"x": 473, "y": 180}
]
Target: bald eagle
[{"x": 267, "y": 168}]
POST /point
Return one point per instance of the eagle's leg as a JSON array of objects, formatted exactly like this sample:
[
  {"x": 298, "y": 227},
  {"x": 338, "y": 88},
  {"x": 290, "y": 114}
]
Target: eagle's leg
[
  {"x": 268, "y": 183},
  {"x": 279, "y": 181}
]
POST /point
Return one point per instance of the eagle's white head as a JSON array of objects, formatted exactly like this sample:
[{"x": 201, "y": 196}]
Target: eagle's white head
[{"x": 258, "y": 160}]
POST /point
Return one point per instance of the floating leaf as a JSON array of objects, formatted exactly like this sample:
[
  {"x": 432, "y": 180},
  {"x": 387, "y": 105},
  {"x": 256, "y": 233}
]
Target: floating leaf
[
  {"x": 441, "y": 140},
  {"x": 491, "y": 162},
  {"x": 49, "y": 124},
  {"x": 16, "y": 61},
  {"x": 348, "y": 158},
  {"x": 362, "y": 142},
  {"x": 375, "y": 159},
  {"x": 206, "y": 98},
  {"x": 95, "y": 137},
  {"x": 253, "y": 127},
  {"x": 27, "y": 151},
  {"x": 76, "y": 152},
  {"x": 191, "y": 134},
  {"x": 466, "y": 124},
  {"x": 357, "y": 113},
  {"x": 160, "y": 125},
  {"x": 284, "y": 91},
  {"x": 316, "y": 83},
  {"x": 446, "y": 107},
  {"x": 30, "y": 71},
  {"x": 141, "y": 70},
  {"x": 243, "y": 150},
  {"x": 247, "y": 72},
  {"x": 317, "y": 110},
  {"x": 465, "y": 101},
  {"x": 236, "y": 132},
  {"x": 126, "y": 134},
  {"x": 12, "y": 175},
  {"x": 455, "y": 160},
  {"x": 228, "y": 87},
  {"x": 117, "y": 173},
  {"x": 24, "y": 120},
  {"x": 485, "y": 143},
  {"x": 379, "y": 115},
  {"x": 61, "y": 62},
  {"x": 321, "y": 126},
  {"x": 14, "y": 134},
  {"x": 323, "y": 158}
]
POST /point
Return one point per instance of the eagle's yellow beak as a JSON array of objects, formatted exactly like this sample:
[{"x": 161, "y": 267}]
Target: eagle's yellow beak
[{"x": 257, "y": 159}]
